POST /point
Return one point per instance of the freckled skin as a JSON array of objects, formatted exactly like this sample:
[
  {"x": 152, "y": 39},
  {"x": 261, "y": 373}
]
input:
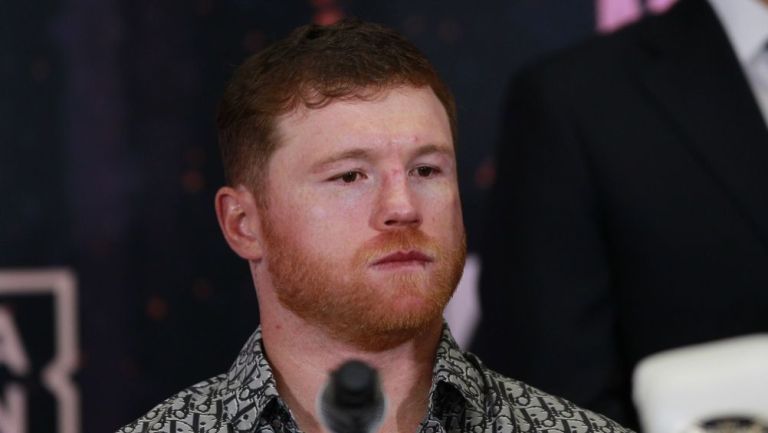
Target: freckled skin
[
  {"x": 327, "y": 211},
  {"x": 358, "y": 206}
]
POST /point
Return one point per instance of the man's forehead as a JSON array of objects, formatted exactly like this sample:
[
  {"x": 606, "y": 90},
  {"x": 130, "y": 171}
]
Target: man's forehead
[
  {"x": 374, "y": 153},
  {"x": 401, "y": 115}
]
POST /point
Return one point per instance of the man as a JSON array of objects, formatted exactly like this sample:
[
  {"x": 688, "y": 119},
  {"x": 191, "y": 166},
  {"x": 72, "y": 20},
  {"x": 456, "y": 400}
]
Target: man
[
  {"x": 339, "y": 148},
  {"x": 630, "y": 213}
]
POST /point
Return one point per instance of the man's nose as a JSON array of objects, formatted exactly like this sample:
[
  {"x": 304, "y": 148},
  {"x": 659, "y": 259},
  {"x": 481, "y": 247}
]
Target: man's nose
[{"x": 395, "y": 207}]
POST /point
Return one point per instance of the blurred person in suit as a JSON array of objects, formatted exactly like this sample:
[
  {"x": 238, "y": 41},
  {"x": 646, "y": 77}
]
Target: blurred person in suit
[{"x": 630, "y": 213}]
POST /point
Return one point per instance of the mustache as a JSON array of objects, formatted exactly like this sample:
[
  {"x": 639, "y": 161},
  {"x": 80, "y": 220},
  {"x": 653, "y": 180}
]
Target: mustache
[{"x": 398, "y": 240}]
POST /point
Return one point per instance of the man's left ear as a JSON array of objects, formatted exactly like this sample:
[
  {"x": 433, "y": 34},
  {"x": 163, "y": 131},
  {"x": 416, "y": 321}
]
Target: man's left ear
[{"x": 240, "y": 222}]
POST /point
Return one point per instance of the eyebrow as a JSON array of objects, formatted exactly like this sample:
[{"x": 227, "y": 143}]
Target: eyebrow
[
  {"x": 433, "y": 148},
  {"x": 366, "y": 155},
  {"x": 363, "y": 154}
]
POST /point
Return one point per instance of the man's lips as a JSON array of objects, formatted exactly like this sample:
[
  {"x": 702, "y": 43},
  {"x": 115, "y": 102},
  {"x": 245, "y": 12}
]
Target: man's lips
[{"x": 403, "y": 258}]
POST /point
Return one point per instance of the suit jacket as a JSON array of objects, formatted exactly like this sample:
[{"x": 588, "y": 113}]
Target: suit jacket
[{"x": 630, "y": 213}]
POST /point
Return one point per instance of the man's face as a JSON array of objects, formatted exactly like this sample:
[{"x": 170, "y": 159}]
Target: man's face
[{"x": 363, "y": 228}]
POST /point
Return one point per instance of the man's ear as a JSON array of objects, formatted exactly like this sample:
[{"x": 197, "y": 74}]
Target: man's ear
[{"x": 240, "y": 222}]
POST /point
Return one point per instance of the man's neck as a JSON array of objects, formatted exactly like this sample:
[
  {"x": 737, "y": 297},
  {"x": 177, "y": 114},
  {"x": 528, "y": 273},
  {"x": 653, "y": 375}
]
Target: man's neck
[{"x": 302, "y": 356}]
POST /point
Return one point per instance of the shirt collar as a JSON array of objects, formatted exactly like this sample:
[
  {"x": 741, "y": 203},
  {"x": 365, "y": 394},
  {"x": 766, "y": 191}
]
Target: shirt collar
[
  {"x": 746, "y": 24},
  {"x": 250, "y": 385},
  {"x": 459, "y": 370}
]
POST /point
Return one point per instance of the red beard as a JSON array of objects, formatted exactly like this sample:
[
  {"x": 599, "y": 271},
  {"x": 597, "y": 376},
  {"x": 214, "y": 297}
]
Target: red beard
[{"x": 369, "y": 312}]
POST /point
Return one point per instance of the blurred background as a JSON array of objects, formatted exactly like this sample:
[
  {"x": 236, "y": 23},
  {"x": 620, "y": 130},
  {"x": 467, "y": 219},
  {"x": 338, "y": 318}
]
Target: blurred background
[{"x": 109, "y": 164}]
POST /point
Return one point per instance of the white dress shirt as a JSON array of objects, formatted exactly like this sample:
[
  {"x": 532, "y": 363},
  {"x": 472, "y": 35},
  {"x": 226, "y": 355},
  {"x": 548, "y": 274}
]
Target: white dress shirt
[{"x": 746, "y": 24}]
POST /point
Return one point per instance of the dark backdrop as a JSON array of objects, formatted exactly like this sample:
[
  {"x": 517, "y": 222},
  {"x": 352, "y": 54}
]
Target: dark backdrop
[{"x": 108, "y": 159}]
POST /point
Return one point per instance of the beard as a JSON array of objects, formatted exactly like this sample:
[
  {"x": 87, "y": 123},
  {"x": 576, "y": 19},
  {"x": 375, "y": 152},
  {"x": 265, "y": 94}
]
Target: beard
[{"x": 370, "y": 312}]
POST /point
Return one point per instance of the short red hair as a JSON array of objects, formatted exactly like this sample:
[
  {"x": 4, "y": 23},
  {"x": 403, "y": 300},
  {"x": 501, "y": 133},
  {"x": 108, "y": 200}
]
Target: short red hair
[{"x": 312, "y": 67}]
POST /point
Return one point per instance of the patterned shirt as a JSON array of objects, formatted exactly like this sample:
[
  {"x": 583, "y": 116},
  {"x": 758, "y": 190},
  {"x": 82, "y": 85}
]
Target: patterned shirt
[{"x": 465, "y": 397}]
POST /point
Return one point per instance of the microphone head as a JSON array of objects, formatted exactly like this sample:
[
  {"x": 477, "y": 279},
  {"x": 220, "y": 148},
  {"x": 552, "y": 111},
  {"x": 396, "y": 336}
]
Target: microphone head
[
  {"x": 352, "y": 401},
  {"x": 355, "y": 384}
]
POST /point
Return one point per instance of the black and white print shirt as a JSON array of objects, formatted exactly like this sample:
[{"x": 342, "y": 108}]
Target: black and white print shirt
[{"x": 465, "y": 397}]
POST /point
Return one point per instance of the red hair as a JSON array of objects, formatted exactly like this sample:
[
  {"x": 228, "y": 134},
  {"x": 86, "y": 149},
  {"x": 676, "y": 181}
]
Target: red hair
[{"x": 312, "y": 67}]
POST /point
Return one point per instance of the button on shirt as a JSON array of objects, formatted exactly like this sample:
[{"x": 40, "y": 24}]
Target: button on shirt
[
  {"x": 746, "y": 24},
  {"x": 464, "y": 397}
]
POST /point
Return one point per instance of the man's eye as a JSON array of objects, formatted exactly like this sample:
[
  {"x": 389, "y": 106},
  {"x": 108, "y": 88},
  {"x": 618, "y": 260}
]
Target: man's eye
[
  {"x": 426, "y": 171},
  {"x": 349, "y": 177}
]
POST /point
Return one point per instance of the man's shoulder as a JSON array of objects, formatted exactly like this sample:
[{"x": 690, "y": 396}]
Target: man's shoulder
[
  {"x": 532, "y": 410},
  {"x": 198, "y": 408}
]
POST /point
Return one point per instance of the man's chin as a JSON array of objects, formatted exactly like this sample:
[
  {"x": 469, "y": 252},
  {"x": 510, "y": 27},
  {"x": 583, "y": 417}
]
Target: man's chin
[
  {"x": 396, "y": 319},
  {"x": 390, "y": 312},
  {"x": 410, "y": 306}
]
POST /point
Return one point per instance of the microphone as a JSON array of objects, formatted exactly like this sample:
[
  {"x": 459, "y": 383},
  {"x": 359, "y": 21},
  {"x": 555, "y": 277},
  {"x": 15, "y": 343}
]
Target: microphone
[{"x": 352, "y": 401}]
